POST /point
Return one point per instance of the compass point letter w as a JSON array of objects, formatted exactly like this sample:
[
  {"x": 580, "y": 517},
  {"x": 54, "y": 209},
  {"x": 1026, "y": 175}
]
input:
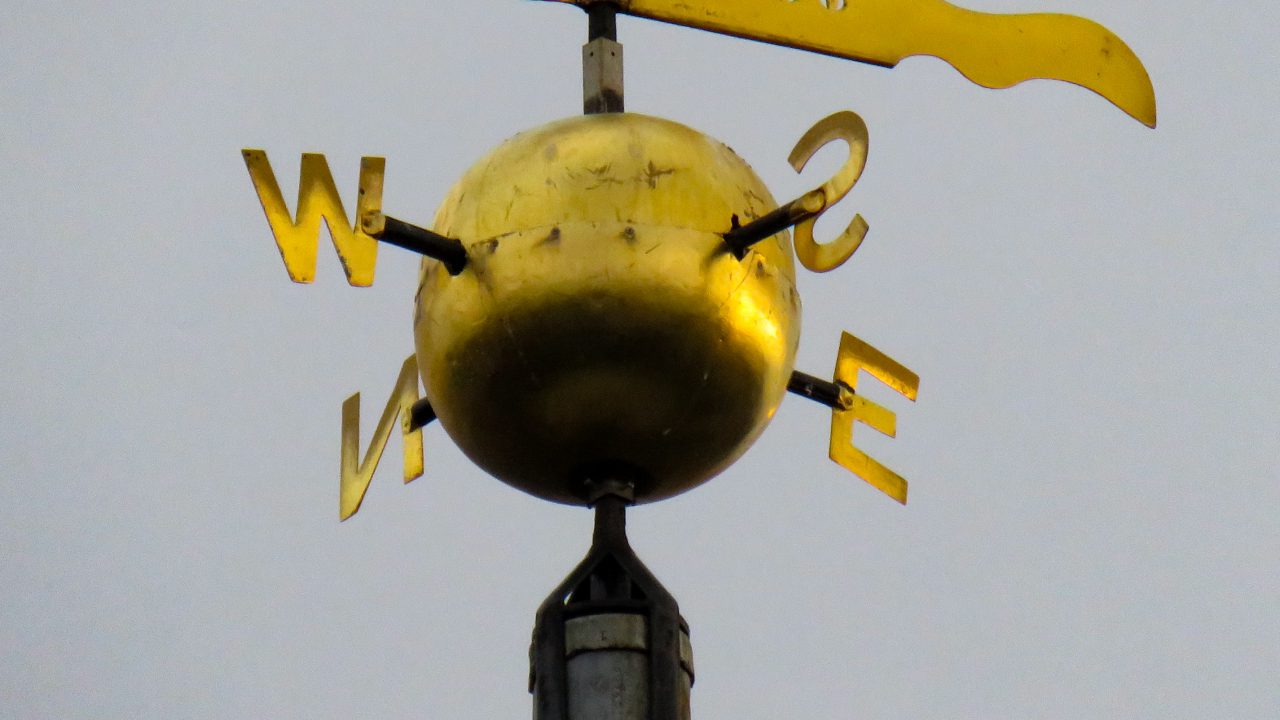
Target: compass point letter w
[{"x": 298, "y": 239}]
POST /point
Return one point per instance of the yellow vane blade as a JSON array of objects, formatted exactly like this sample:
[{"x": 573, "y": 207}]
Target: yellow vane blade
[{"x": 993, "y": 50}]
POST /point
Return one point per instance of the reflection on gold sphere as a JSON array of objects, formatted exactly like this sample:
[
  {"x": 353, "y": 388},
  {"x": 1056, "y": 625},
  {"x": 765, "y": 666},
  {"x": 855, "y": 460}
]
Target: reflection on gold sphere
[{"x": 600, "y": 325}]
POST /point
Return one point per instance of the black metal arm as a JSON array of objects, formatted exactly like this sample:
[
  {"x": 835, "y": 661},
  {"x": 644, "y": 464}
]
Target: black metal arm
[
  {"x": 449, "y": 251},
  {"x": 741, "y": 237},
  {"x": 818, "y": 390}
]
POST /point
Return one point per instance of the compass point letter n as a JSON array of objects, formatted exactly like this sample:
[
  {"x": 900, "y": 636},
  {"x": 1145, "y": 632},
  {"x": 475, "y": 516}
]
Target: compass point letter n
[{"x": 357, "y": 474}]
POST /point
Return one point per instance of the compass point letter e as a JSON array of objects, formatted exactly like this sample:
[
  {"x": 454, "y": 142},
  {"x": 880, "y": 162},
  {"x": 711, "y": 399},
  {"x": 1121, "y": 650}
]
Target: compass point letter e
[{"x": 857, "y": 355}]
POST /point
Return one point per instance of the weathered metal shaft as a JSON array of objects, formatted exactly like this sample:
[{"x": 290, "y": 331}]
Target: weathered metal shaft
[{"x": 602, "y": 82}]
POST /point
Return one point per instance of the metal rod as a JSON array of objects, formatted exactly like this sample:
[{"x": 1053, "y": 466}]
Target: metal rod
[
  {"x": 602, "y": 76},
  {"x": 602, "y": 21},
  {"x": 741, "y": 237},
  {"x": 421, "y": 414},
  {"x": 821, "y": 391},
  {"x": 449, "y": 251},
  {"x": 611, "y": 522}
]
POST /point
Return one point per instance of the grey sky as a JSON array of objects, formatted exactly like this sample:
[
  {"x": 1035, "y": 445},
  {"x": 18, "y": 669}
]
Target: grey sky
[{"x": 1093, "y": 308}]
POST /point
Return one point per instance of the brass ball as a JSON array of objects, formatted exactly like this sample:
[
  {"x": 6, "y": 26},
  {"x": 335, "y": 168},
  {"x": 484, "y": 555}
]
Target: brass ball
[{"x": 601, "y": 326}]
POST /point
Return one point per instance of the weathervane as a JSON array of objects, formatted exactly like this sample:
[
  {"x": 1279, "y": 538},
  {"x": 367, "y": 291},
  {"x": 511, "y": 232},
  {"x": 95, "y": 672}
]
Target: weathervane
[{"x": 607, "y": 312}]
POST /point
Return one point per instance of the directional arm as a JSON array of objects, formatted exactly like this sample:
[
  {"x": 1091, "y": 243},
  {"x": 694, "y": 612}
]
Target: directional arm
[
  {"x": 447, "y": 250},
  {"x": 833, "y": 395},
  {"x": 421, "y": 414},
  {"x": 740, "y": 238},
  {"x": 992, "y": 50}
]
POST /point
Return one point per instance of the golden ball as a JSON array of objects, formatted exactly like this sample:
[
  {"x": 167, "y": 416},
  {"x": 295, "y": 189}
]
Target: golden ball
[{"x": 601, "y": 327}]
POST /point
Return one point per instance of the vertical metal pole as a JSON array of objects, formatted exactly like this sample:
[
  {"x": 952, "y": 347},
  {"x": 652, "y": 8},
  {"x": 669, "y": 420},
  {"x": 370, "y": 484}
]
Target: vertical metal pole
[
  {"x": 602, "y": 87},
  {"x": 602, "y": 21}
]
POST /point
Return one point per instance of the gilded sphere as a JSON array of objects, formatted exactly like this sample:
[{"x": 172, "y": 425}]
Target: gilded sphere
[{"x": 601, "y": 326}]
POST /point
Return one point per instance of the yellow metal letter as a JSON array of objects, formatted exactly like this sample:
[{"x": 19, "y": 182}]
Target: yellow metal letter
[
  {"x": 992, "y": 50},
  {"x": 357, "y": 475},
  {"x": 845, "y": 126},
  {"x": 318, "y": 198},
  {"x": 857, "y": 355}
]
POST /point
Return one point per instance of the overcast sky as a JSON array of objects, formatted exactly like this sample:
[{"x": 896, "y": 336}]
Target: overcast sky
[{"x": 1093, "y": 308}]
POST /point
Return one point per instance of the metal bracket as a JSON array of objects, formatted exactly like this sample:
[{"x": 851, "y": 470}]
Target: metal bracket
[{"x": 611, "y": 579}]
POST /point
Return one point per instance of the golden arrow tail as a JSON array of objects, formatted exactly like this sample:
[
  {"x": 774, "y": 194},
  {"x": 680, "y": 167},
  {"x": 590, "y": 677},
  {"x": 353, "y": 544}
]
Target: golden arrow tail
[{"x": 992, "y": 50}]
